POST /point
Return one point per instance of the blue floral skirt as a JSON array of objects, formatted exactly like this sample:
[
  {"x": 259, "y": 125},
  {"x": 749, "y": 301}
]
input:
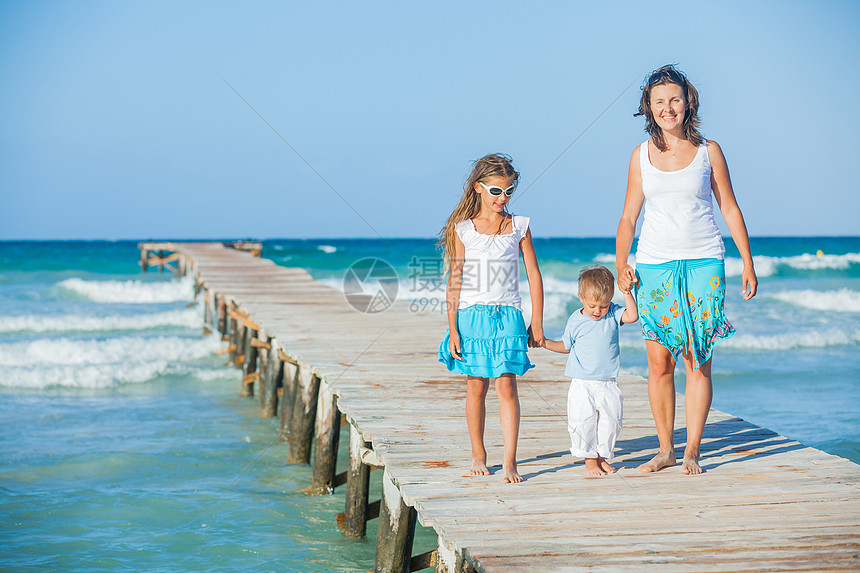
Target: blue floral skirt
[
  {"x": 681, "y": 304},
  {"x": 493, "y": 341}
]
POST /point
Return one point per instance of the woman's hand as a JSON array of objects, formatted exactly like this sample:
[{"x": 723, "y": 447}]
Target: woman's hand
[
  {"x": 454, "y": 346},
  {"x": 749, "y": 281},
  {"x": 536, "y": 338},
  {"x": 626, "y": 278}
]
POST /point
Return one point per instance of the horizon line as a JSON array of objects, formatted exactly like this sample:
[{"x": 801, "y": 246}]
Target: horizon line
[{"x": 359, "y": 238}]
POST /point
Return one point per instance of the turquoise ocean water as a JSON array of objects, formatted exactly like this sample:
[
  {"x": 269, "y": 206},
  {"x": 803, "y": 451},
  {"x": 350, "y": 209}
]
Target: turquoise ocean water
[{"x": 125, "y": 445}]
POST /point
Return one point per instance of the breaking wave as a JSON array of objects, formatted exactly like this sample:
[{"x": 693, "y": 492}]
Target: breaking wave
[
  {"x": 94, "y": 363},
  {"x": 71, "y": 323},
  {"x": 131, "y": 291}
]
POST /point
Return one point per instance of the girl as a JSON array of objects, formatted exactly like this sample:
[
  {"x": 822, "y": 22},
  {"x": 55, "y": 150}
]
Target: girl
[
  {"x": 487, "y": 337},
  {"x": 680, "y": 272}
]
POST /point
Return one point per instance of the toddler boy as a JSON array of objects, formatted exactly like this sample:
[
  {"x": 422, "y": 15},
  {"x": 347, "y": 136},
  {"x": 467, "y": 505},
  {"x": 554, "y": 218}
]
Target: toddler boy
[{"x": 594, "y": 401}]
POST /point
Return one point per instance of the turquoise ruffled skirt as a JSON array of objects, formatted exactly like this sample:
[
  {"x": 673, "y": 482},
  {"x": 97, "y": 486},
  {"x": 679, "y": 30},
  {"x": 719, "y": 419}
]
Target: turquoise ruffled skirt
[
  {"x": 681, "y": 303},
  {"x": 493, "y": 341}
]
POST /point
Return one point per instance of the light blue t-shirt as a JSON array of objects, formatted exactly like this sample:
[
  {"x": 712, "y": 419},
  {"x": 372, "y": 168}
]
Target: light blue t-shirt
[{"x": 593, "y": 345}]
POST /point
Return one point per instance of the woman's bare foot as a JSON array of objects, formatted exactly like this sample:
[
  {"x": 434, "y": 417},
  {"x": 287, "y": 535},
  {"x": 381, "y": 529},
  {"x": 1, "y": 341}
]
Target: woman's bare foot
[
  {"x": 479, "y": 467},
  {"x": 511, "y": 474},
  {"x": 605, "y": 466},
  {"x": 658, "y": 462},
  {"x": 592, "y": 467},
  {"x": 690, "y": 466}
]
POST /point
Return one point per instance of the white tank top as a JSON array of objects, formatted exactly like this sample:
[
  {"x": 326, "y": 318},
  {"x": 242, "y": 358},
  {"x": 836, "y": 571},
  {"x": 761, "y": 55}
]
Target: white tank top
[
  {"x": 679, "y": 212},
  {"x": 491, "y": 271}
]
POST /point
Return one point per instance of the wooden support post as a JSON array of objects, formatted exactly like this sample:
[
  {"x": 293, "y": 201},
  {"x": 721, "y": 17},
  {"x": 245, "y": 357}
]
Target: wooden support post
[
  {"x": 221, "y": 310},
  {"x": 261, "y": 356},
  {"x": 207, "y": 308},
  {"x": 233, "y": 335},
  {"x": 249, "y": 358},
  {"x": 289, "y": 385},
  {"x": 272, "y": 372},
  {"x": 216, "y": 316},
  {"x": 357, "y": 487},
  {"x": 450, "y": 560},
  {"x": 144, "y": 255},
  {"x": 241, "y": 331},
  {"x": 396, "y": 530},
  {"x": 424, "y": 561},
  {"x": 211, "y": 309},
  {"x": 301, "y": 430},
  {"x": 326, "y": 441},
  {"x": 373, "y": 509}
]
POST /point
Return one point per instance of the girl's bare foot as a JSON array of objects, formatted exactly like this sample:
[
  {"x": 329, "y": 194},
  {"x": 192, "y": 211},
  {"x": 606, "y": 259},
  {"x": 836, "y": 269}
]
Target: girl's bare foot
[
  {"x": 479, "y": 467},
  {"x": 592, "y": 467},
  {"x": 605, "y": 466},
  {"x": 511, "y": 474},
  {"x": 658, "y": 462},
  {"x": 690, "y": 466}
]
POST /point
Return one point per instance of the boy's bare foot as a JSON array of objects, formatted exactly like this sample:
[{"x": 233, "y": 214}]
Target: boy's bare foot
[
  {"x": 658, "y": 462},
  {"x": 605, "y": 466},
  {"x": 479, "y": 467},
  {"x": 511, "y": 474},
  {"x": 690, "y": 466},
  {"x": 592, "y": 467}
]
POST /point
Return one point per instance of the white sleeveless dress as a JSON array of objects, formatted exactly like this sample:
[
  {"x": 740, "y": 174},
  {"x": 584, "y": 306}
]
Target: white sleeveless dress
[{"x": 493, "y": 335}]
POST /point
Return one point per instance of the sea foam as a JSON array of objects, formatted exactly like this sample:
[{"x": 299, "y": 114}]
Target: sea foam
[
  {"x": 792, "y": 340},
  {"x": 94, "y": 363},
  {"x": 71, "y": 323},
  {"x": 833, "y": 337},
  {"x": 131, "y": 291},
  {"x": 766, "y": 266},
  {"x": 106, "y": 351},
  {"x": 845, "y": 300},
  {"x": 608, "y": 260}
]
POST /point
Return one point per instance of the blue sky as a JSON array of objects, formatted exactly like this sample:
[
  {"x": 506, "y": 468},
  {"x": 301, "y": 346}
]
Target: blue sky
[{"x": 118, "y": 121}]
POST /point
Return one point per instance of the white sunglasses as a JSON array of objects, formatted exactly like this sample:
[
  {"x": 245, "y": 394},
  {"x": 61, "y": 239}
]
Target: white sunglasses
[{"x": 497, "y": 191}]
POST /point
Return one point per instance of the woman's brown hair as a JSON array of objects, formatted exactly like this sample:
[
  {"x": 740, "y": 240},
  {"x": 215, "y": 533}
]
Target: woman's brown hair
[
  {"x": 495, "y": 164},
  {"x": 670, "y": 75}
]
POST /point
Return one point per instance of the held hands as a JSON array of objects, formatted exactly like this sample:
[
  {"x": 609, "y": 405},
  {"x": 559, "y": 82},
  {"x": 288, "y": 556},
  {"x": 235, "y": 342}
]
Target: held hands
[
  {"x": 536, "y": 338},
  {"x": 627, "y": 278}
]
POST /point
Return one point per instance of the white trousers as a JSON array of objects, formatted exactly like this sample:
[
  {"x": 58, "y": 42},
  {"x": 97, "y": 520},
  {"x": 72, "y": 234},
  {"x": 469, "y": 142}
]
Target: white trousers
[{"x": 594, "y": 411}]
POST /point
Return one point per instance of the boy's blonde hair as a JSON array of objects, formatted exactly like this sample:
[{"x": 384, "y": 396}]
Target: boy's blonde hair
[{"x": 596, "y": 283}]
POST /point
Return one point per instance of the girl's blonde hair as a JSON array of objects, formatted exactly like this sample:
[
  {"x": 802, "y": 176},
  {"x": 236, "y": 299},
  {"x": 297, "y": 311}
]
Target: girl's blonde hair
[{"x": 495, "y": 164}]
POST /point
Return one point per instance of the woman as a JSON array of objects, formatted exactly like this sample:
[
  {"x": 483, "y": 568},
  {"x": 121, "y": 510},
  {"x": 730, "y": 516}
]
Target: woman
[{"x": 680, "y": 271}]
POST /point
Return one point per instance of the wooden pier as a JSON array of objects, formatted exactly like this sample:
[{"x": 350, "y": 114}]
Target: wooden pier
[{"x": 765, "y": 503}]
